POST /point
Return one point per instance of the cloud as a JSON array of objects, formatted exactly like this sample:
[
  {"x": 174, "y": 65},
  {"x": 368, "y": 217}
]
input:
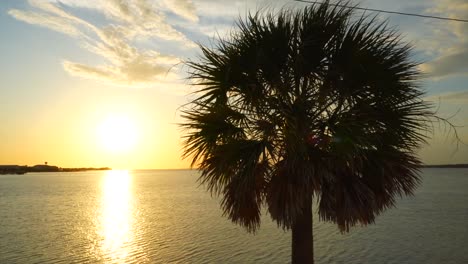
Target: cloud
[
  {"x": 142, "y": 19},
  {"x": 183, "y": 8},
  {"x": 55, "y": 23},
  {"x": 450, "y": 97},
  {"x": 118, "y": 41},
  {"x": 455, "y": 63},
  {"x": 90, "y": 72},
  {"x": 457, "y": 97},
  {"x": 451, "y": 55},
  {"x": 138, "y": 72},
  {"x": 138, "y": 39}
]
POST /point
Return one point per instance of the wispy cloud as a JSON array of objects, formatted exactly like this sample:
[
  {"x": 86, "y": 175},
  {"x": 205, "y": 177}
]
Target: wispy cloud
[
  {"x": 183, "y": 8},
  {"x": 452, "y": 47},
  {"x": 455, "y": 63},
  {"x": 450, "y": 97},
  {"x": 55, "y": 23},
  {"x": 129, "y": 23}
]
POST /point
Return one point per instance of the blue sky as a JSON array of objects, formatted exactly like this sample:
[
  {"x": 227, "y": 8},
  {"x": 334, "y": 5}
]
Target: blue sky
[{"x": 67, "y": 63}]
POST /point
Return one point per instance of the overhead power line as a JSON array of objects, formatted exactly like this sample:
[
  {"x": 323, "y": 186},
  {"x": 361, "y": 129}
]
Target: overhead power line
[{"x": 388, "y": 12}]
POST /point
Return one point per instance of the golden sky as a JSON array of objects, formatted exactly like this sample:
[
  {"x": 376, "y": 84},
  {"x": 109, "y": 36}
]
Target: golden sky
[{"x": 100, "y": 83}]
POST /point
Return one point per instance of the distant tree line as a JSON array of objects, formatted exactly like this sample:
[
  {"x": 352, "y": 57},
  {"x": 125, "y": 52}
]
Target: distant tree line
[{"x": 17, "y": 169}]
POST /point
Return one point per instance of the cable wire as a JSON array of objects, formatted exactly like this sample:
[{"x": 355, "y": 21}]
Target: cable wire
[{"x": 388, "y": 12}]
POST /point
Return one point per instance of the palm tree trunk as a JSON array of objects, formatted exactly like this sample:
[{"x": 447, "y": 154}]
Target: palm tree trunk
[{"x": 302, "y": 237}]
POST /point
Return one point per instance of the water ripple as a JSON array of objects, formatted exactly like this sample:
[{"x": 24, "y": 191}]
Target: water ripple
[{"x": 163, "y": 217}]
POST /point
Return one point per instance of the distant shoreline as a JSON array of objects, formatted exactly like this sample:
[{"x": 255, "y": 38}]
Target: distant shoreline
[
  {"x": 446, "y": 166},
  {"x": 17, "y": 169}
]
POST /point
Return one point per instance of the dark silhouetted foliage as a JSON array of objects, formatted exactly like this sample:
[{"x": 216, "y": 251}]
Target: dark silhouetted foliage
[{"x": 311, "y": 103}]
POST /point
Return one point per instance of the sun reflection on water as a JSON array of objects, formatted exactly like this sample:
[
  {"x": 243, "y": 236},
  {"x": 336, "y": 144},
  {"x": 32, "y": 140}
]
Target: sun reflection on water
[{"x": 117, "y": 217}]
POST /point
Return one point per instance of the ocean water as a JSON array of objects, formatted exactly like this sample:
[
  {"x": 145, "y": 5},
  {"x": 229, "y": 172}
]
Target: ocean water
[{"x": 163, "y": 216}]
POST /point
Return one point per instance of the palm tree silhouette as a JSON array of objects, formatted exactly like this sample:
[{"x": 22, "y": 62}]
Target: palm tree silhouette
[{"x": 301, "y": 106}]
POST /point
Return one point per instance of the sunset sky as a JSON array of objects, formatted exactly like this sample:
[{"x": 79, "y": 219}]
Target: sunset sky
[{"x": 100, "y": 83}]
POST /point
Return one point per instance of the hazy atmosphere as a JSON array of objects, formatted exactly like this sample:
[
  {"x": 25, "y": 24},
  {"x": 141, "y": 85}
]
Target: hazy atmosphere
[
  {"x": 100, "y": 83},
  {"x": 203, "y": 131}
]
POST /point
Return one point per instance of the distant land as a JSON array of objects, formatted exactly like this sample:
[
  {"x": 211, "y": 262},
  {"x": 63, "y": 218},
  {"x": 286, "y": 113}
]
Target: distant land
[
  {"x": 17, "y": 169},
  {"x": 446, "y": 166}
]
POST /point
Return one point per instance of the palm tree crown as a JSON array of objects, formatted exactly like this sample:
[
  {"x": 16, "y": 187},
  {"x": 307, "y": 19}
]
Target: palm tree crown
[{"x": 301, "y": 104}]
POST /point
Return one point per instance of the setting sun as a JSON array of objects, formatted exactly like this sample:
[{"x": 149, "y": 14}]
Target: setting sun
[
  {"x": 253, "y": 131},
  {"x": 117, "y": 134}
]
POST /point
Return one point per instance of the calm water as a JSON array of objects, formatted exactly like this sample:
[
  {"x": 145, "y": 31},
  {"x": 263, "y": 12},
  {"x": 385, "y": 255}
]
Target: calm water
[{"x": 163, "y": 216}]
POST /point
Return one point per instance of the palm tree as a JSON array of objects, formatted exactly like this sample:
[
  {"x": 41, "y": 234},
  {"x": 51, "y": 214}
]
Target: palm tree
[{"x": 302, "y": 106}]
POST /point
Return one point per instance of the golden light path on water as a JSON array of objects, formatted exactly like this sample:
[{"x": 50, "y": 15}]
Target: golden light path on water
[{"x": 117, "y": 218}]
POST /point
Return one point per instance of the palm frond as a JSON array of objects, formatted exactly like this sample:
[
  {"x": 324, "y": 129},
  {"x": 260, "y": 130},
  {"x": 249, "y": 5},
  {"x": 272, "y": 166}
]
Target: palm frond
[{"x": 300, "y": 104}]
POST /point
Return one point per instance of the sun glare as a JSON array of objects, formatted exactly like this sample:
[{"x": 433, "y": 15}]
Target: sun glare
[
  {"x": 118, "y": 133},
  {"x": 117, "y": 217}
]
